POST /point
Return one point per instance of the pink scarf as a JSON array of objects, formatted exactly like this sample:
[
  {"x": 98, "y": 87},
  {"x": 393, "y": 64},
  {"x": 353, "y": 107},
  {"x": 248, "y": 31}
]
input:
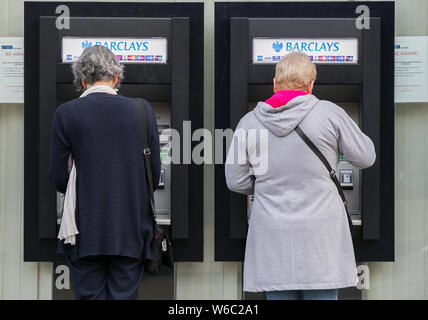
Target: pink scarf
[{"x": 282, "y": 97}]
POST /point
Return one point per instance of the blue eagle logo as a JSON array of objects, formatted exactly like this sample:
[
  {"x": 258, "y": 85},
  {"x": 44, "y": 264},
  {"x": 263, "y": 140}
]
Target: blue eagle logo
[
  {"x": 86, "y": 44},
  {"x": 277, "y": 46}
]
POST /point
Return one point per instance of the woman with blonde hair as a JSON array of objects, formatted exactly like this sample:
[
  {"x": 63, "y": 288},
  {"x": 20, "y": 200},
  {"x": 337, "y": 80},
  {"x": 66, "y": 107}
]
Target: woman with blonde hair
[{"x": 299, "y": 244}]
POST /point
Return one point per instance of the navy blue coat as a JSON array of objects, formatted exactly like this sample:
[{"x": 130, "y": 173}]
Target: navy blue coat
[{"x": 103, "y": 133}]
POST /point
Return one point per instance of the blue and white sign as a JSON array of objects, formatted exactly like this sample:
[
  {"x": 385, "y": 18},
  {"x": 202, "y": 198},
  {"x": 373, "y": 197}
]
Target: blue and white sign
[
  {"x": 127, "y": 50},
  {"x": 411, "y": 69},
  {"x": 321, "y": 51},
  {"x": 11, "y": 70}
]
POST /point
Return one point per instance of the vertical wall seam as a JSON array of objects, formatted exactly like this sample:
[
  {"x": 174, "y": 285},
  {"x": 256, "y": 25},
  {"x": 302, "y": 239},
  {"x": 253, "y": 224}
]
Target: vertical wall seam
[
  {"x": 2, "y": 205},
  {"x": 20, "y": 205},
  {"x": 2, "y": 160}
]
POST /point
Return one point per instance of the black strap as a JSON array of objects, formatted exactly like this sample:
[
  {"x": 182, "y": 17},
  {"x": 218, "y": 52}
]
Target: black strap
[
  {"x": 331, "y": 171},
  {"x": 146, "y": 153}
]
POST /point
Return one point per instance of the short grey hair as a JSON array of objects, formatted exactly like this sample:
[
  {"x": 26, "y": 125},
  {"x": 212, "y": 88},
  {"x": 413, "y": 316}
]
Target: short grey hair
[
  {"x": 95, "y": 64},
  {"x": 295, "y": 71}
]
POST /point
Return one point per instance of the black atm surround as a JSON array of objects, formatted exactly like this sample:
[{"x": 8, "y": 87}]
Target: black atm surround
[
  {"x": 48, "y": 82},
  {"x": 235, "y": 25}
]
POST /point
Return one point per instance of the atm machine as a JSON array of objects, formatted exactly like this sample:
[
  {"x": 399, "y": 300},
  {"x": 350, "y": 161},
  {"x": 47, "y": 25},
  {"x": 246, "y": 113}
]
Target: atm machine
[
  {"x": 168, "y": 63},
  {"x": 355, "y": 70}
]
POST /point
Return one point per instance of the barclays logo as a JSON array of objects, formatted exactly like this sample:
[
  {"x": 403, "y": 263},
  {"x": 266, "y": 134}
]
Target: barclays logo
[
  {"x": 86, "y": 44},
  {"x": 277, "y": 46}
]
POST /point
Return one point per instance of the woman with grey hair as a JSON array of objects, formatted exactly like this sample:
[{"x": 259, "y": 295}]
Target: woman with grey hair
[
  {"x": 299, "y": 244},
  {"x": 108, "y": 234}
]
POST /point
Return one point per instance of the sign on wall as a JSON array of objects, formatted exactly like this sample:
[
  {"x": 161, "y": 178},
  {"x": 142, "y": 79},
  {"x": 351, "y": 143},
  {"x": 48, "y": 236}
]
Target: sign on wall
[
  {"x": 11, "y": 70},
  {"x": 411, "y": 69},
  {"x": 127, "y": 50},
  {"x": 321, "y": 51}
]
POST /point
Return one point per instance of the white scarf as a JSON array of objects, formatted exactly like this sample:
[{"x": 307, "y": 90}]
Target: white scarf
[
  {"x": 98, "y": 89},
  {"x": 68, "y": 229}
]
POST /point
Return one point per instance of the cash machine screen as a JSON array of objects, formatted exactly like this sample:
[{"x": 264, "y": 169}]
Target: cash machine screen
[
  {"x": 321, "y": 51},
  {"x": 127, "y": 50}
]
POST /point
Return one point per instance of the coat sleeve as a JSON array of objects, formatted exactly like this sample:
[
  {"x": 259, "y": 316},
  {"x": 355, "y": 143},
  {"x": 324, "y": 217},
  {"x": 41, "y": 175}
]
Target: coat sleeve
[
  {"x": 60, "y": 150},
  {"x": 354, "y": 145},
  {"x": 238, "y": 170},
  {"x": 153, "y": 137}
]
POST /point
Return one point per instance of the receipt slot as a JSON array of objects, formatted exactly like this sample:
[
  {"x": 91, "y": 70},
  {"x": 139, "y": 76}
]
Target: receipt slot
[
  {"x": 161, "y": 46},
  {"x": 355, "y": 71}
]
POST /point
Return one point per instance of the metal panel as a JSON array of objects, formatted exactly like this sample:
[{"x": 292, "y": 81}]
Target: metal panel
[
  {"x": 239, "y": 106},
  {"x": 326, "y": 74},
  {"x": 138, "y": 73},
  {"x": 47, "y": 83},
  {"x": 180, "y": 112},
  {"x": 155, "y": 19},
  {"x": 371, "y": 110},
  {"x": 311, "y": 19}
]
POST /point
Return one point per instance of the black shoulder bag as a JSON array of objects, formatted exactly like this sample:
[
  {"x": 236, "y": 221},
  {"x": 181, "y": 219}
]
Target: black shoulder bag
[
  {"x": 161, "y": 244},
  {"x": 332, "y": 173}
]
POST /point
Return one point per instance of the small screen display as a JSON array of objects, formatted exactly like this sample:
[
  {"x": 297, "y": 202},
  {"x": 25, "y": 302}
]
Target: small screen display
[
  {"x": 321, "y": 51},
  {"x": 127, "y": 50},
  {"x": 162, "y": 179},
  {"x": 346, "y": 177}
]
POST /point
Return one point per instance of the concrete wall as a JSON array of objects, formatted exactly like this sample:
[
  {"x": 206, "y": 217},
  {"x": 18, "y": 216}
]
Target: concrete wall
[
  {"x": 407, "y": 277},
  {"x": 18, "y": 280}
]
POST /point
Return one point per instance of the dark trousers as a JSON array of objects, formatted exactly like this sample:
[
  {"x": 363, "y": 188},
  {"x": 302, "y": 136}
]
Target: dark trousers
[
  {"x": 106, "y": 277},
  {"x": 328, "y": 294}
]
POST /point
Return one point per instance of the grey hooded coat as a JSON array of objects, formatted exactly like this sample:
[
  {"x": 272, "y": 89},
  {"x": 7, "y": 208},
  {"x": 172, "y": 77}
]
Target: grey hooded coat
[{"x": 298, "y": 236}]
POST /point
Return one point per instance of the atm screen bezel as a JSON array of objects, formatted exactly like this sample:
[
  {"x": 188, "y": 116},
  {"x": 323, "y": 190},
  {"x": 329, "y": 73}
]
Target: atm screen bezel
[
  {"x": 356, "y": 52},
  {"x": 105, "y": 38}
]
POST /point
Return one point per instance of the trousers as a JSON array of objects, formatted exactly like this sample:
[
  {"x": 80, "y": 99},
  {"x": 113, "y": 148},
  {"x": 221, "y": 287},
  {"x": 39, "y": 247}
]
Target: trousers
[
  {"x": 331, "y": 294},
  {"x": 105, "y": 277}
]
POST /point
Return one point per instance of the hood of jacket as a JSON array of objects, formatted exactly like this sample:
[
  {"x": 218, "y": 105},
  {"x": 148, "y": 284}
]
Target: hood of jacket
[{"x": 282, "y": 120}]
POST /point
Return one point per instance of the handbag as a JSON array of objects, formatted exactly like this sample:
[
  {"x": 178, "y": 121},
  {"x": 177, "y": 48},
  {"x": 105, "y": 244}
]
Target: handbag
[
  {"x": 332, "y": 173},
  {"x": 161, "y": 243}
]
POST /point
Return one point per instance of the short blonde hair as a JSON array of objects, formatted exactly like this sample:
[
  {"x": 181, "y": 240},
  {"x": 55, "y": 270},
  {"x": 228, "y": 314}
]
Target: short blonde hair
[{"x": 295, "y": 71}]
